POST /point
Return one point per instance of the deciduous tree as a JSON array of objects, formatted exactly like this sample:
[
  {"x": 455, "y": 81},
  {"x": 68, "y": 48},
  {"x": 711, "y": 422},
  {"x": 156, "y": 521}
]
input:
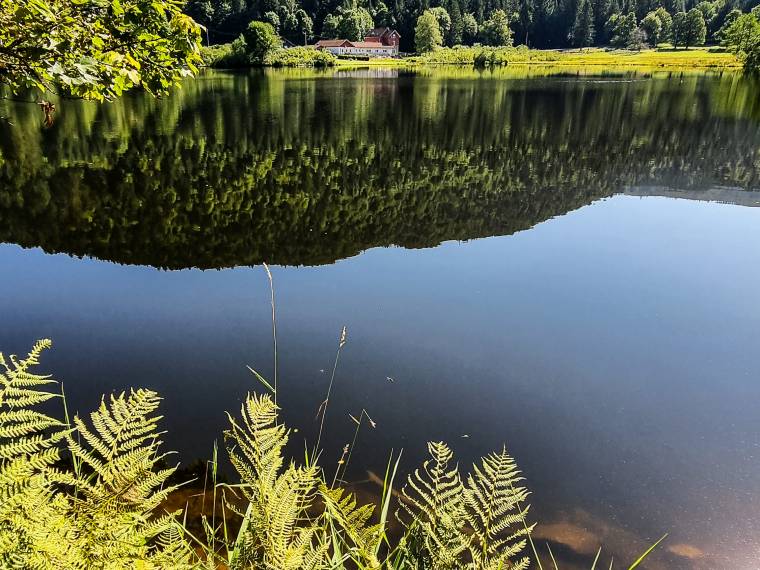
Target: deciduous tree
[
  {"x": 427, "y": 34},
  {"x": 260, "y": 40},
  {"x": 637, "y": 40},
  {"x": 652, "y": 26},
  {"x": 444, "y": 20},
  {"x": 496, "y": 31},
  {"x": 743, "y": 38},
  {"x": 619, "y": 28},
  {"x": 469, "y": 28},
  {"x": 96, "y": 49},
  {"x": 689, "y": 29},
  {"x": 354, "y": 23}
]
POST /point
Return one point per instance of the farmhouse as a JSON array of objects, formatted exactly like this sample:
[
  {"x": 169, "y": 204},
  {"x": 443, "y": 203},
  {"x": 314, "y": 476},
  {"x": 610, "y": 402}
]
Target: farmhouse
[{"x": 380, "y": 42}]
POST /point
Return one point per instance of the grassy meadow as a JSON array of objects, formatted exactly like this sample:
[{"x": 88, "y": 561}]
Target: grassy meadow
[
  {"x": 663, "y": 57},
  {"x": 589, "y": 59}
]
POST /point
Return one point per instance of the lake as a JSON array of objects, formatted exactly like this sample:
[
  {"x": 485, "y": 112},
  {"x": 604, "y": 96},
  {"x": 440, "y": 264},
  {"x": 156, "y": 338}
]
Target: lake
[{"x": 563, "y": 263}]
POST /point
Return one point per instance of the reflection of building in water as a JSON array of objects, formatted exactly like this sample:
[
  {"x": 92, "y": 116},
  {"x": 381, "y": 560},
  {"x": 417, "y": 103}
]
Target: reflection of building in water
[
  {"x": 380, "y": 42},
  {"x": 367, "y": 73}
]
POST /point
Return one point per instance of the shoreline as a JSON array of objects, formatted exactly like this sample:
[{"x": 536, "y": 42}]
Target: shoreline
[
  {"x": 708, "y": 59},
  {"x": 662, "y": 58}
]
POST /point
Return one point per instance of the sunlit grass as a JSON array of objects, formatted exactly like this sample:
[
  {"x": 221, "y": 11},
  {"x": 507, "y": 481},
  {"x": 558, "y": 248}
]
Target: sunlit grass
[{"x": 694, "y": 58}]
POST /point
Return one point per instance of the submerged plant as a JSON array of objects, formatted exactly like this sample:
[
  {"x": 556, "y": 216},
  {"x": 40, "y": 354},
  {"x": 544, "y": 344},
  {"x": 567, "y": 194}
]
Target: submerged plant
[{"x": 90, "y": 494}]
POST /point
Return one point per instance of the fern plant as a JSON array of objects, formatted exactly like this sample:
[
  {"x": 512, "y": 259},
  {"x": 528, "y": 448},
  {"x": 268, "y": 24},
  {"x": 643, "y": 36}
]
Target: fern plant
[
  {"x": 279, "y": 530},
  {"x": 90, "y": 493},
  {"x": 436, "y": 516},
  {"x": 493, "y": 503},
  {"x": 477, "y": 526},
  {"x": 118, "y": 486},
  {"x": 34, "y": 531},
  {"x": 72, "y": 496}
]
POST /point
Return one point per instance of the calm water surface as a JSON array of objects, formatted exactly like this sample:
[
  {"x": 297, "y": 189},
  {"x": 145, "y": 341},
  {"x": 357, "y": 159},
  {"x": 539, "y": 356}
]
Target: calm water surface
[{"x": 568, "y": 265}]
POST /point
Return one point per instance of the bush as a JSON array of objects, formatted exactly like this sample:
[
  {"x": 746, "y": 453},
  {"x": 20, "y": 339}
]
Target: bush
[
  {"x": 301, "y": 57},
  {"x": 225, "y": 56},
  {"x": 260, "y": 42},
  {"x": 229, "y": 56},
  {"x": 458, "y": 55},
  {"x": 485, "y": 56}
]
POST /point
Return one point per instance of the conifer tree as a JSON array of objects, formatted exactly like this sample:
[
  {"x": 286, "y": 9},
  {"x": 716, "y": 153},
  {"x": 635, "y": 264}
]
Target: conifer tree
[
  {"x": 526, "y": 16},
  {"x": 583, "y": 29}
]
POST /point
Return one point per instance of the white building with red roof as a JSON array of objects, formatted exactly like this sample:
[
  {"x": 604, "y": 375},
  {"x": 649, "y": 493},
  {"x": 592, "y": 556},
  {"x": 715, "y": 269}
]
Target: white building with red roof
[{"x": 380, "y": 42}]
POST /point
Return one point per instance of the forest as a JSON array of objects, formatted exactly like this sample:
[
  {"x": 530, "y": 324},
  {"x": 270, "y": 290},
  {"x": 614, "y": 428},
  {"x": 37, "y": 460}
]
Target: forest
[
  {"x": 536, "y": 23},
  {"x": 159, "y": 182}
]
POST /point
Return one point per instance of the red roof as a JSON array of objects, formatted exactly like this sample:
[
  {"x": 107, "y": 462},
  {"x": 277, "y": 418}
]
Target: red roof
[
  {"x": 372, "y": 44},
  {"x": 380, "y": 32},
  {"x": 368, "y": 44},
  {"x": 333, "y": 43}
]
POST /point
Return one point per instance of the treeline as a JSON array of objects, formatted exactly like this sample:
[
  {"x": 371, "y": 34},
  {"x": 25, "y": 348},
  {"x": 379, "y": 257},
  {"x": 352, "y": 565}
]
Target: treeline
[
  {"x": 195, "y": 180},
  {"x": 537, "y": 23}
]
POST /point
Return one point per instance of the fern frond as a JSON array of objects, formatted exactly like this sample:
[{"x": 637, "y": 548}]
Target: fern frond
[
  {"x": 315, "y": 556},
  {"x": 361, "y": 538},
  {"x": 493, "y": 508},
  {"x": 276, "y": 533},
  {"x": 173, "y": 550},
  {"x": 259, "y": 439},
  {"x": 433, "y": 499},
  {"x": 20, "y": 422},
  {"x": 35, "y": 531},
  {"x": 120, "y": 485}
]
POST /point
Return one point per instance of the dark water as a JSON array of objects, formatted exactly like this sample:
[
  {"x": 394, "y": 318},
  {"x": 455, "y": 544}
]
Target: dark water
[{"x": 606, "y": 327}]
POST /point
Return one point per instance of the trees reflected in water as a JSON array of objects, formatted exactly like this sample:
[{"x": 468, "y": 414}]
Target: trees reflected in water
[{"x": 305, "y": 168}]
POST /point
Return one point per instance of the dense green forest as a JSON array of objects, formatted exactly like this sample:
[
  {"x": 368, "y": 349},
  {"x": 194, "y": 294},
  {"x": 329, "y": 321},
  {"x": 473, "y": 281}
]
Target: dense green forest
[
  {"x": 537, "y": 23},
  {"x": 237, "y": 168}
]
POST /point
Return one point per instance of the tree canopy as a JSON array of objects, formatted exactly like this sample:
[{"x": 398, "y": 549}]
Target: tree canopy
[
  {"x": 583, "y": 29},
  {"x": 689, "y": 28},
  {"x": 496, "y": 31},
  {"x": 742, "y": 36},
  {"x": 536, "y": 23},
  {"x": 260, "y": 40},
  {"x": 427, "y": 34},
  {"x": 96, "y": 49}
]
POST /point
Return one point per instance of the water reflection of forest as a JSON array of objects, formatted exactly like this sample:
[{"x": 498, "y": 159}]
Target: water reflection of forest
[{"x": 300, "y": 168}]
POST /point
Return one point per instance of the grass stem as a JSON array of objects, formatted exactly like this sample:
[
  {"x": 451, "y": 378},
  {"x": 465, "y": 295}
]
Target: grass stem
[{"x": 326, "y": 402}]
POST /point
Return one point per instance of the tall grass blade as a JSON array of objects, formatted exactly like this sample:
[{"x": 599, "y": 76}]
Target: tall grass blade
[
  {"x": 596, "y": 558},
  {"x": 326, "y": 402},
  {"x": 551, "y": 555},
  {"x": 274, "y": 327},
  {"x": 647, "y": 553},
  {"x": 387, "y": 496},
  {"x": 261, "y": 379}
]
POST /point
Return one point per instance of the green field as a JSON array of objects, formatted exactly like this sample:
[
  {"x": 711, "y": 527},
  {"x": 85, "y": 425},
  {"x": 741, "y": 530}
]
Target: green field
[{"x": 661, "y": 58}]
